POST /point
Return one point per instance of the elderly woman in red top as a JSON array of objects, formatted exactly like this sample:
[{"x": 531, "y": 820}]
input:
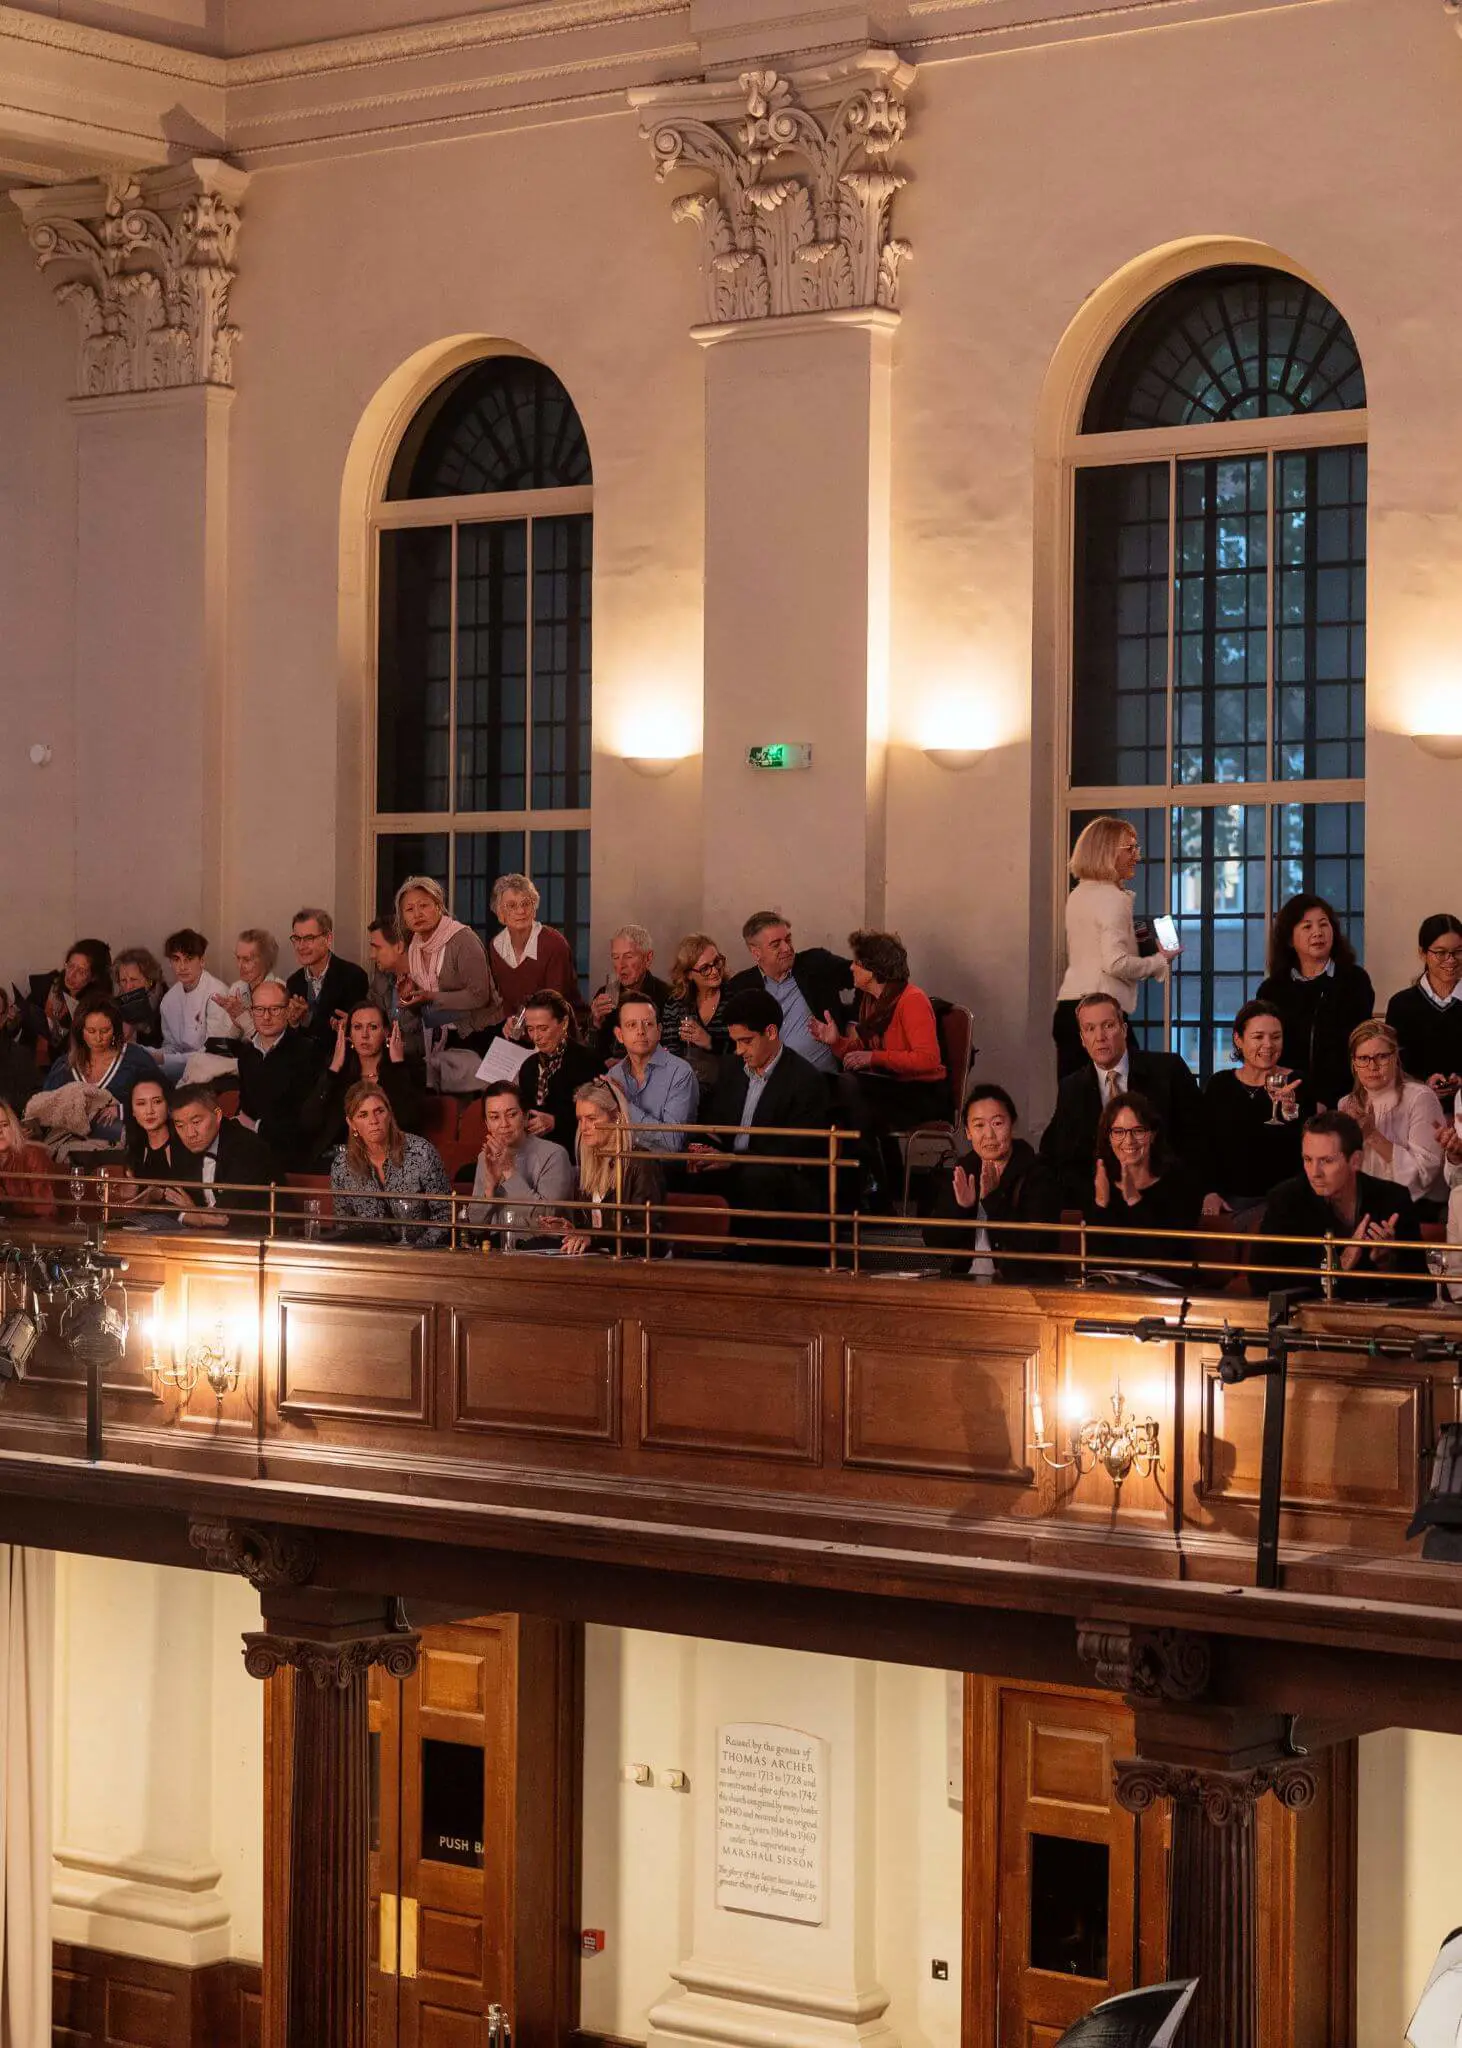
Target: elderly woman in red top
[{"x": 893, "y": 1050}]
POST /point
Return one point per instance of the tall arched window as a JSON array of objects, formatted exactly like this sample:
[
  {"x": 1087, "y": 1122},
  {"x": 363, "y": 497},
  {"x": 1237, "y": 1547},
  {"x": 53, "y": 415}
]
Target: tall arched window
[
  {"x": 1218, "y": 623},
  {"x": 485, "y": 550}
]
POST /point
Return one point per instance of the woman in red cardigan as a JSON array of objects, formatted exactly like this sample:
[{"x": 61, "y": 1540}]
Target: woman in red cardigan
[
  {"x": 528, "y": 956},
  {"x": 892, "y": 1051},
  {"x": 27, "y": 1173}
]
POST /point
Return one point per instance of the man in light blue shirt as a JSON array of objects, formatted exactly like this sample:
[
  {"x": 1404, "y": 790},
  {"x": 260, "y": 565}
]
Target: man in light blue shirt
[
  {"x": 657, "y": 1087},
  {"x": 805, "y": 985}
]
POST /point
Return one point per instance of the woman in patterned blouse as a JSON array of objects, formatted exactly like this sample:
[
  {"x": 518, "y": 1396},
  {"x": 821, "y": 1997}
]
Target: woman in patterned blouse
[{"x": 384, "y": 1177}]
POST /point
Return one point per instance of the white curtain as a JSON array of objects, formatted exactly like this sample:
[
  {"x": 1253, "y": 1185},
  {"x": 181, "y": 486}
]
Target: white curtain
[{"x": 27, "y": 1639}]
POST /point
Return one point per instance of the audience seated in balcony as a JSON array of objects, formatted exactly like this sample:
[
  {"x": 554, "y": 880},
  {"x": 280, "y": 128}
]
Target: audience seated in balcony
[
  {"x": 184, "y": 1015},
  {"x": 227, "y": 1171},
  {"x": 1000, "y": 1179},
  {"x": 892, "y": 1052},
  {"x": 27, "y": 1186},
  {"x": 140, "y": 990},
  {"x": 17, "y": 1060},
  {"x": 390, "y": 1186},
  {"x": 631, "y": 958},
  {"x": 555, "y": 1070},
  {"x": 155, "y": 1155},
  {"x": 1138, "y": 1184},
  {"x": 518, "y": 1176},
  {"x": 366, "y": 1049},
  {"x": 448, "y": 983},
  {"x": 614, "y": 1185},
  {"x": 658, "y": 1087},
  {"x": 1320, "y": 992},
  {"x": 1427, "y": 1016},
  {"x": 99, "y": 1057},
  {"x": 765, "y": 1089},
  {"x": 277, "y": 1071},
  {"x": 86, "y": 971},
  {"x": 528, "y": 956},
  {"x": 322, "y": 985},
  {"x": 1375, "y": 1220},
  {"x": 1112, "y": 1068},
  {"x": 1102, "y": 953},
  {"x": 388, "y": 968},
  {"x": 694, "y": 1021},
  {"x": 1399, "y": 1119},
  {"x": 807, "y": 985},
  {"x": 1253, "y": 1114}
]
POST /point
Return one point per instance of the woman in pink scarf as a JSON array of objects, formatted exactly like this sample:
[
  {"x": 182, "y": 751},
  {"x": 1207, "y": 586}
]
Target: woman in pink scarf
[{"x": 447, "y": 976}]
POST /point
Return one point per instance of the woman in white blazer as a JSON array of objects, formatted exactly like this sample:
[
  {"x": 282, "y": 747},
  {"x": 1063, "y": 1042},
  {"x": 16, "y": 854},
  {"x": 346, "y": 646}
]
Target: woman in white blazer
[{"x": 1101, "y": 940}]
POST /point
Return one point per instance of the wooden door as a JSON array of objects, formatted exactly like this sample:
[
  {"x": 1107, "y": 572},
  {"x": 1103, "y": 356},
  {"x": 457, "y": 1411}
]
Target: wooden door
[
  {"x": 385, "y": 1859},
  {"x": 1075, "y": 1871}
]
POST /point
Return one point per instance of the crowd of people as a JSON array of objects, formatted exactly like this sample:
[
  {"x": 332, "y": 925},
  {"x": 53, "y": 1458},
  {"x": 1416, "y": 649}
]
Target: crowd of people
[{"x": 198, "y": 1093}]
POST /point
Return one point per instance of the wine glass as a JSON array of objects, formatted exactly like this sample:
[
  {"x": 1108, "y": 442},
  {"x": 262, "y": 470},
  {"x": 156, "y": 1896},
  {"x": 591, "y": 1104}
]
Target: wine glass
[
  {"x": 401, "y": 1206},
  {"x": 1436, "y": 1265},
  {"x": 1274, "y": 1082}
]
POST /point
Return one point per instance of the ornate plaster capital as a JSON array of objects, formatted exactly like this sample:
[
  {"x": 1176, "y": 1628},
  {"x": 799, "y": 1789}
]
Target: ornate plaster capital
[
  {"x": 797, "y": 184},
  {"x": 146, "y": 263},
  {"x": 268, "y": 1558},
  {"x": 331, "y": 1663},
  {"x": 1145, "y": 1663},
  {"x": 1226, "y": 1797}
]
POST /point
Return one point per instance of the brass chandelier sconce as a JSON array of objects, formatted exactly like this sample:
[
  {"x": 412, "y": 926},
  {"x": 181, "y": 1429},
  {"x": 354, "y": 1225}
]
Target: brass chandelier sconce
[
  {"x": 1120, "y": 1447},
  {"x": 180, "y": 1360}
]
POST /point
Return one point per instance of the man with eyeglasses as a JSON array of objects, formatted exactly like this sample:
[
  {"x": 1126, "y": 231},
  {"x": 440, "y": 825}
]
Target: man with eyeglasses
[
  {"x": 323, "y": 985},
  {"x": 1374, "y": 1222},
  {"x": 278, "y": 1069}
]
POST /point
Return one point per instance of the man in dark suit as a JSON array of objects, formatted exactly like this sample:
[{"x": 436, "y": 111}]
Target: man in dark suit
[
  {"x": 1114, "y": 1068},
  {"x": 810, "y": 985},
  {"x": 766, "y": 1088},
  {"x": 323, "y": 984},
  {"x": 1372, "y": 1219},
  {"x": 223, "y": 1156},
  {"x": 278, "y": 1069}
]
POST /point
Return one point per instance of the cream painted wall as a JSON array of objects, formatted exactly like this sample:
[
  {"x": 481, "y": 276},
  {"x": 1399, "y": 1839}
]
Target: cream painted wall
[
  {"x": 639, "y": 1708},
  {"x": 159, "y": 1792},
  {"x": 1410, "y": 1875}
]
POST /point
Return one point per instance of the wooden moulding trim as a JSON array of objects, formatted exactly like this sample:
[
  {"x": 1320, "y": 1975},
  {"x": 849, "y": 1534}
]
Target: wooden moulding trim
[{"x": 217, "y": 2006}]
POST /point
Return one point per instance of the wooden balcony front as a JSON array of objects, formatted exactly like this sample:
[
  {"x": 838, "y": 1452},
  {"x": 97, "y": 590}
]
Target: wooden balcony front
[{"x": 818, "y": 1458}]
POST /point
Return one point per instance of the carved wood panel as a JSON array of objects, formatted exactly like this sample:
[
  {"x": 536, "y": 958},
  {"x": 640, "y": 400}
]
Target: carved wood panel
[
  {"x": 959, "y": 1411},
  {"x": 101, "y": 2000},
  {"x": 1348, "y": 1446},
  {"x": 747, "y": 1396},
  {"x": 367, "y": 1360},
  {"x": 537, "y": 1379}
]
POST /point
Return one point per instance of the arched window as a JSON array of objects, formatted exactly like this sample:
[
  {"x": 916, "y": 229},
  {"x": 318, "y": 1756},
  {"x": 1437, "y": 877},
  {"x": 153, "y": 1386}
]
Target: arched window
[
  {"x": 484, "y": 560},
  {"x": 1218, "y": 623}
]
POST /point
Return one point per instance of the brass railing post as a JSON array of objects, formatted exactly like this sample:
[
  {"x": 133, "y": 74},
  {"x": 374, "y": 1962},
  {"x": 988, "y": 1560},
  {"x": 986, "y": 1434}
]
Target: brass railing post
[{"x": 832, "y": 1199}]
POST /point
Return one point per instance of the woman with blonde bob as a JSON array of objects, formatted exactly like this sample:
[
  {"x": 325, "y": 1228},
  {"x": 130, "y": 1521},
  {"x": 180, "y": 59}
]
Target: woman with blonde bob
[
  {"x": 1101, "y": 938},
  {"x": 1400, "y": 1119}
]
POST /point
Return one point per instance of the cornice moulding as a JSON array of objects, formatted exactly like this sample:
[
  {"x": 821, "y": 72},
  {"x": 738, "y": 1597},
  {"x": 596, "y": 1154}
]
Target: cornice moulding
[{"x": 135, "y": 52}]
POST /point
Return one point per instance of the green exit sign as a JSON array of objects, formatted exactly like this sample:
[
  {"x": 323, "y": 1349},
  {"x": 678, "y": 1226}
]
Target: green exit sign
[{"x": 782, "y": 754}]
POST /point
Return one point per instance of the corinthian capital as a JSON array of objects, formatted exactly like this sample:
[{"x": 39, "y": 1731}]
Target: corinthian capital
[
  {"x": 795, "y": 183},
  {"x": 146, "y": 263}
]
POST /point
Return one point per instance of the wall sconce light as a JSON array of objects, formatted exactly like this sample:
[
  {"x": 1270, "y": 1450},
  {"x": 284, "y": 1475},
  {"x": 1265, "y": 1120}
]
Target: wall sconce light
[
  {"x": 1446, "y": 746},
  {"x": 652, "y": 764},
  {"x": 954, "y": 757},
  {"x": 1120, "y": 1447},
  {"x": 180, "y": 1360}
]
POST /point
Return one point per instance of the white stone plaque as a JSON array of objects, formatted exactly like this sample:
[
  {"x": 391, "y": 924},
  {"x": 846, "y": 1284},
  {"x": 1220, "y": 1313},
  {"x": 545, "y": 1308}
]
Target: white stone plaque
[{"x": 771, "y": 1821}]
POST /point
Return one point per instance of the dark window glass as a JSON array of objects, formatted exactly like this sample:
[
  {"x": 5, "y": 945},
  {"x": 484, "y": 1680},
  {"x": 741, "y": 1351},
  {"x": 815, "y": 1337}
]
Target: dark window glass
[
  {"x": 1221, "y": 903},
  {"x": 1227, "y": 344},
  {"x": 1220, "y": 687},
  {"x": 492, "y": 666},
  {"x": 561, "y": 871},
  {"x": 1068, "y": 1906},
  {"x": 399, "y": 854},
  {"x": 506, "y": 424},
  {"x": 413, "y": 729},
  {"x": 562, "y": 561},
  {"x": 478, "y": 858},
  {"x": 1320, "y": 614},
  {"x": 1320, "y": 850},
  {"x": 1120, "y": 685},
  {"x": 452, "y": 1781}
]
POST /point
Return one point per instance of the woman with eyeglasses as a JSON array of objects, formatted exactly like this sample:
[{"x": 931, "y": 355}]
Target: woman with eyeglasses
[
  {"x": 1427, "y": 1016},
  {"x": 692, "y": 1024},
  {"x": 1400, "y": 1119},
  {"x": 1138, "y": 1185}
]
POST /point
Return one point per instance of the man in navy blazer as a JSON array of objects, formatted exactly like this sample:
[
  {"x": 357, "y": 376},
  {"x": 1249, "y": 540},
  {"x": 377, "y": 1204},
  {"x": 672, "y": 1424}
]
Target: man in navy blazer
[
  {"x": 1113, "y": 1067},
  {"x": 808, "y": 985}
]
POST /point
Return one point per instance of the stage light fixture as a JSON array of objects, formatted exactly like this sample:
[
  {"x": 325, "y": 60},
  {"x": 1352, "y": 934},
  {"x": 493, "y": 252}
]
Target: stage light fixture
[{"x": 19, "y": 1334}]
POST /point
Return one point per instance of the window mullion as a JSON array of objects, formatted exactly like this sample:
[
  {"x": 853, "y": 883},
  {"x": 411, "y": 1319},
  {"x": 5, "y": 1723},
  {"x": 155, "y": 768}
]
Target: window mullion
[{"x": 528, "y": 742}]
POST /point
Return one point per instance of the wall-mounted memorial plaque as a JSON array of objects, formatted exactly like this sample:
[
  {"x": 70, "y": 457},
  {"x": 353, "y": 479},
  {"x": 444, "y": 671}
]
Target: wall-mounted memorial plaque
[{"x": 771, "y": 1821}]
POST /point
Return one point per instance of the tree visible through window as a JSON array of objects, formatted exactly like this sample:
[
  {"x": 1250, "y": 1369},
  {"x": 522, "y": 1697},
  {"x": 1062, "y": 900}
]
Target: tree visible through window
[
  {"x": 483, "y": 675},
  {"x": 1218, "y": 624}
]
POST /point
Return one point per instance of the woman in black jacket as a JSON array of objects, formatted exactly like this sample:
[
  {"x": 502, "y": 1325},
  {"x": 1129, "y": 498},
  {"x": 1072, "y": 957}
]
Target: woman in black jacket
[
  {"x": 1427, "y": 1016},
  {"x": 557, "y": 1068},
  {"x": 367, "y": 1048},
  {"x": 1320, "y": 991},
  {"x": 1000, "y": 1180},
  {"x": 1138, "y": 1186}
]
